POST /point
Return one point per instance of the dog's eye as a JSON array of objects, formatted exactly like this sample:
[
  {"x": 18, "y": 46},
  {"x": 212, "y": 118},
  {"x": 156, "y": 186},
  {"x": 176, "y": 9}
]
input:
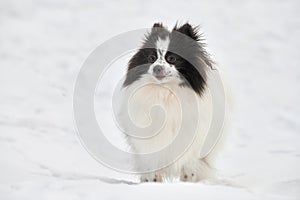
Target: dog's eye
[
  {"x": 152, "y": 58},
  {"x": 171, "y": 59}
]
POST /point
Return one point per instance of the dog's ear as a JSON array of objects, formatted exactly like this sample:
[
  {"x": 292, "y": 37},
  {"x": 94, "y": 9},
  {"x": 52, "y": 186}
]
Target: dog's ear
[
  {"x": 157, "y": 26},
  {"x": 188, "y": 30}
]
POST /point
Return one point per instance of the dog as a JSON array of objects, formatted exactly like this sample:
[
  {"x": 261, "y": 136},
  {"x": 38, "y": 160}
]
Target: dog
[{"x": 171, "y": 70}]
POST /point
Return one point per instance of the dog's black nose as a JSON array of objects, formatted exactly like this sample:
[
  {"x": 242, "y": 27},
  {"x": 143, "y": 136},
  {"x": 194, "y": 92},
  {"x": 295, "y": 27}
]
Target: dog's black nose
[{"x": 157, "y": 69}]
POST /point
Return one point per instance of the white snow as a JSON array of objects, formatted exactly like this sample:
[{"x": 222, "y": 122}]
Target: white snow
[{"x": 43, "y": 44}]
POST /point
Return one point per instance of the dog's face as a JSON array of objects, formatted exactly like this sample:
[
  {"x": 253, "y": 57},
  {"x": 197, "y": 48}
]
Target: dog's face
[{"x": 175, "y": 57}]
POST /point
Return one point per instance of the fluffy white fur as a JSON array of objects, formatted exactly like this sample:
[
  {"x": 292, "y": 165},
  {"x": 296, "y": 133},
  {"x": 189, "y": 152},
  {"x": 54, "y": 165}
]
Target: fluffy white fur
[{"x": 138, "y": 104}]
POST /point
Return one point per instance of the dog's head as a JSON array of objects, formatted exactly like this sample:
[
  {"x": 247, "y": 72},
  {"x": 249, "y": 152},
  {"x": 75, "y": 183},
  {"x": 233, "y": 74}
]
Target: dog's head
[{"x": 171, "y": 57}]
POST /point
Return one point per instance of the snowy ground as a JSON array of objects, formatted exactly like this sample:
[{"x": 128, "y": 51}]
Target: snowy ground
[{"x": 43, "y": 44}]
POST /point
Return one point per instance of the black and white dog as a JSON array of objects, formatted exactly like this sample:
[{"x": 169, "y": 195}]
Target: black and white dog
[{"x": 171, "y": 69}]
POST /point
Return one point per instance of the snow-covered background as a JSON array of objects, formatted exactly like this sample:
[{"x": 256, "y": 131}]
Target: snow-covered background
[{"x": 43, "y": 44}]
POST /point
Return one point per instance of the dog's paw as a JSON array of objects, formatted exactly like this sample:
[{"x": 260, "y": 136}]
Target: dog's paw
[
  {"x": 195, "y": 171},
  {"x": 189, "y": 176},
  {"x": 153, "y": 177}
]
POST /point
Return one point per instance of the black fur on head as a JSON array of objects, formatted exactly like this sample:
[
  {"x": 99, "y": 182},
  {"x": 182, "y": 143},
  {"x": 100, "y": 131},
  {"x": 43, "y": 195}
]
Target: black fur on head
[{"x": 192, "y": 61}]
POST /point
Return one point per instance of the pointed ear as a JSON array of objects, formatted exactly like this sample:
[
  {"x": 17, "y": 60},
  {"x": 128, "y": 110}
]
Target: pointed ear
[
  {"x": 157, "y": 26},
  {"x": 188, "y": 30}
]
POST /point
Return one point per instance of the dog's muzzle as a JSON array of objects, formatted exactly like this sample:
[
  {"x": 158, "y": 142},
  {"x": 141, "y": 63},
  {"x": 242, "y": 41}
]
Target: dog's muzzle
[{"x": 159, "y": 72}]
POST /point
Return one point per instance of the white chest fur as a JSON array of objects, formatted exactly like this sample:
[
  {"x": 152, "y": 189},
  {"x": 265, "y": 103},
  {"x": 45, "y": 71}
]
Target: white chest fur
[{"x": 139, "y": 103}]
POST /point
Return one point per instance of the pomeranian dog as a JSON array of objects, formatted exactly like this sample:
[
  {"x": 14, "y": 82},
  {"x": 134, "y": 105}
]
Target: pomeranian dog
[{"x": 169, "y": 106}]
